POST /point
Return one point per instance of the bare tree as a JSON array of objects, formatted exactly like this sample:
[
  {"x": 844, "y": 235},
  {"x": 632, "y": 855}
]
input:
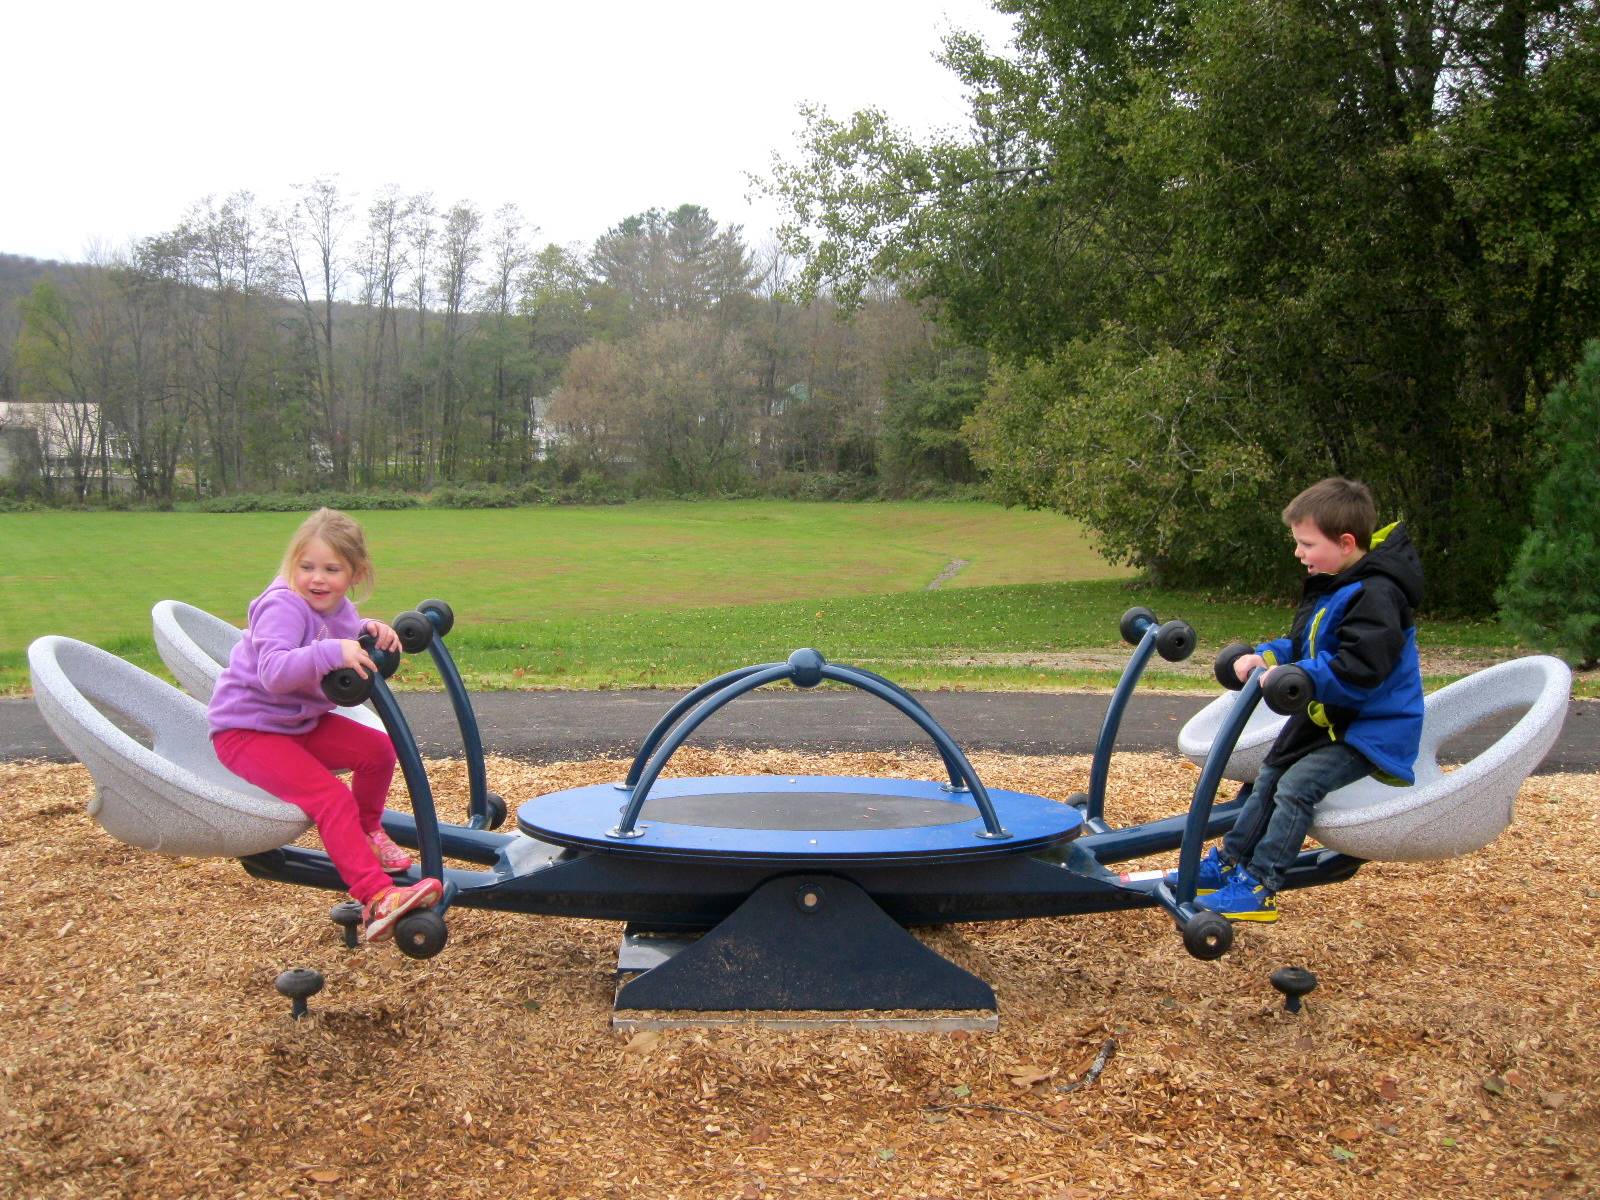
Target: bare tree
[
  {"x": 309, "y": 234},
  {"x": 383, "y": 260},
  {"x": 416, "y": 430},
  {"x": 508, "y": 258},
  {"x": 459, "y": 251},
  {"x": 55, "y": 366}
]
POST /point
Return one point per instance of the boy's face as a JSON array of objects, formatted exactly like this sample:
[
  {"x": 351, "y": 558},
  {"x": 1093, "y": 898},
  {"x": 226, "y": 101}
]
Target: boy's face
[{"x": 1321, "y": 554}]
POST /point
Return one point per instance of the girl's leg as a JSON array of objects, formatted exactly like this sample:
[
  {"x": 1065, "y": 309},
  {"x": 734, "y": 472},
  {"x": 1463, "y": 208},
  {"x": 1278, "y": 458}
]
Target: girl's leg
[
  {"x": 341, "y": 744},
  {"x": 280, "y": 764}
]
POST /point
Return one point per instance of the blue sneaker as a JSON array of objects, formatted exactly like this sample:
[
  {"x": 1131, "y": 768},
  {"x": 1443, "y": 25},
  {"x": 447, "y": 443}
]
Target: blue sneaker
[
  {"x": 1242, "y": 898},
  {"x": 1213, "y": 874}
]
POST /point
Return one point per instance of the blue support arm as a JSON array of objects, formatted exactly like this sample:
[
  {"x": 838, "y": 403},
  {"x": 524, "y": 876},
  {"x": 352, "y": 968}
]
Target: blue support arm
[
  {"x": 1100, "y": 768},
  {"x": 729, "y": 687}
]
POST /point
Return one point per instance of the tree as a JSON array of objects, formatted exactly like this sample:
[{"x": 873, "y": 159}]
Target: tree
[
  {"x": 1552, "y": 598},
  {"x": 382, "y": 264},
  {"x": 54, "y": 363},
  {"x": 692, "y": 387},
  {"x": 588, "y": 411},
  {"x": 656, "y": 265},
  {"x": 924, "y": 418},
  {"x": 309, "y": 234},
  {"x": 1219, "y": 248},
  {"x": 509, "y": 447},
  {"x": 460, "y": 247}
]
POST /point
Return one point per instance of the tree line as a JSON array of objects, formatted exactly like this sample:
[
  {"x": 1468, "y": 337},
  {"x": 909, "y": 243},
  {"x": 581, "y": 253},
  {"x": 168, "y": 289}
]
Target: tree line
[
  {"x": 403, "y": 344},
  {"x": 1216, "y": 249}
]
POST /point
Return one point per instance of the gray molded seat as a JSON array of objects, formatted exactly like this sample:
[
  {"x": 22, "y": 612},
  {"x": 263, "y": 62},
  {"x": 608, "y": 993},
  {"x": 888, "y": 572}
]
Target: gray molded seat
[
  {"x": 1445, "y": 813},
  {"x": 195, "y": 646},
  {"x": 1244, "y": 764},
  {"x": 172, "y": 796}
]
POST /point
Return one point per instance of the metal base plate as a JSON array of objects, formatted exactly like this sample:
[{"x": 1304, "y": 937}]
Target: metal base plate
[{"x": 977, "y": 1021}]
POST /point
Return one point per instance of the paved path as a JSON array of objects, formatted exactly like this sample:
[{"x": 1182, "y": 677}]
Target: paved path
[{"x": 551, "y": 726}]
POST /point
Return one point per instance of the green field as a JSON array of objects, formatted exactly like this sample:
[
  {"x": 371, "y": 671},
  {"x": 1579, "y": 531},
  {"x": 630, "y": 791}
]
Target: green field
[{"x": 655, "y": 595}]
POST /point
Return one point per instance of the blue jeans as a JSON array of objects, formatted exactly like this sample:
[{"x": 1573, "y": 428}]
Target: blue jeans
[{"x": 1272, "y": 824}]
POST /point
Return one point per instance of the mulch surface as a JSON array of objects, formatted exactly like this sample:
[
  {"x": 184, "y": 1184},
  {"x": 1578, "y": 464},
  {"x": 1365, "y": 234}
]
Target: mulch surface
[{"x": 1450, "y": 1049}]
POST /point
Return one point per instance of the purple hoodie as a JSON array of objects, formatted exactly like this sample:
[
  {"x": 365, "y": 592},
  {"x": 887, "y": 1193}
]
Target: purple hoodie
[{"x": 273, "y": 680}]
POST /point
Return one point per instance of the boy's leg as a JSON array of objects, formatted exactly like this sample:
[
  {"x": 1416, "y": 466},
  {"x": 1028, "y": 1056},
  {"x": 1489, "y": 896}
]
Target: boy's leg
[
  {"x": 341, "y": 744},
  {"x": 1300, "y": 788},
  {"x": 280, "y": 764},
  {"x": 1239, "y": 843}
]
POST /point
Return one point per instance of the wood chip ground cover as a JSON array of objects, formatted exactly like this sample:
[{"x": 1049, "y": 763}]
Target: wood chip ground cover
[{"x": 1449, "y": 1050}]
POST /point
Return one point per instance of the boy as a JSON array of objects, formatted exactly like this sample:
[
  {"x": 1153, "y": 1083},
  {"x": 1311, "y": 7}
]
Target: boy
[{"x": 1353, "y": 635}]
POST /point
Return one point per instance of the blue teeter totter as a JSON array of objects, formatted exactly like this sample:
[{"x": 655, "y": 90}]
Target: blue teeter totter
[{"x": 764, "y": 892}]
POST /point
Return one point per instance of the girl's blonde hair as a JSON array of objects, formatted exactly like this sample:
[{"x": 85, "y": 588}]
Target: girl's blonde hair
[{"x": 343, "y": 536}]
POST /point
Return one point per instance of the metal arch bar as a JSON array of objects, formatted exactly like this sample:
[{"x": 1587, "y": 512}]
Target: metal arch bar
[
  {"x": 948, "y": 750},
  {"x": 756, "y": 677},
  {"x": 1205, "y": 788},
  {"x": 416, "y": 777},
  {"x": 1101, "y": 767},
  {"x": 665, "y": 724},
  {"x": 467, "y": 722},
  {"x": 746, "y": 679},
  {"x": 951, "y": 766}
]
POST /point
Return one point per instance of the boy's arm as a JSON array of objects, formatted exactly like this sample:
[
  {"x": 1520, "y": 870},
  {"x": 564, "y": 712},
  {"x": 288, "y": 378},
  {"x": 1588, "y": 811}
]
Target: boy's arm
[
  {"x": 1277, "y": 652},
  {"x": 1370, "y": 640}
]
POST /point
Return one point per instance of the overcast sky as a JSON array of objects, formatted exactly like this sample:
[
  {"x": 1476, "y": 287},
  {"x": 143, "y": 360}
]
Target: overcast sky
[{"x": 122, "y": 115}]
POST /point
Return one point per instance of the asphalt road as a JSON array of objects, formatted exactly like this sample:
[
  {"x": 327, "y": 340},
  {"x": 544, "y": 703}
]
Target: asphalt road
[{"x": 553, "y": 726}]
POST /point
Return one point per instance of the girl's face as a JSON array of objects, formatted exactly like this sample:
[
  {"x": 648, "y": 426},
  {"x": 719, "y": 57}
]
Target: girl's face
[{"x": 321, "y": 576}]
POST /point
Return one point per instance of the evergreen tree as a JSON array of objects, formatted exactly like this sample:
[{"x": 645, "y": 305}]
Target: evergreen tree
[{"x": 1552, "y": 596}]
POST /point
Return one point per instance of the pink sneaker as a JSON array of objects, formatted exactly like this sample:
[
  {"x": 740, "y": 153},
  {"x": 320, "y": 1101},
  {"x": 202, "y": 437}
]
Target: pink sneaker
[
  {"x": 390, "y": 857},
  {"x": 388, "y": 906}
]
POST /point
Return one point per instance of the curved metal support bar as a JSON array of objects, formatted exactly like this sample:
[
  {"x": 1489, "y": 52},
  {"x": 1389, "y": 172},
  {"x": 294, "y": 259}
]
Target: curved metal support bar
[
  {"x": 948, "y": 750},
  {"x": 467, "y": 722},
  {"x": 749, "y": 678},
  {"x": 416, "y": 777},
  {"x": 755, "y": 677},
  {"x": 1205, "y": 788},
  {"x": 1101, "y": 767},
  {"x": 951, "y": 766},
  {"x": 665, "y": 724}
]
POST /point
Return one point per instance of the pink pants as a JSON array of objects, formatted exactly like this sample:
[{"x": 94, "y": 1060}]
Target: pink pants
[{"x": 298, "y": 767}]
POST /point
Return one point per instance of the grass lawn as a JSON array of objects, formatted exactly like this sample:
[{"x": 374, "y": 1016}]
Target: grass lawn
[{"x": 661, "y": 594}]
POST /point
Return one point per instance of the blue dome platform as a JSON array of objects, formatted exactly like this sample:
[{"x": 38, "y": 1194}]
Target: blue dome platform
[{"x": 803, "y": 821}]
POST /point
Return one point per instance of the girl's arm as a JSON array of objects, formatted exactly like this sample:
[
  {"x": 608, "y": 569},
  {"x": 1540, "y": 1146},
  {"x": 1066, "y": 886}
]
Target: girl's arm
[{"x": 282, "y": 662}]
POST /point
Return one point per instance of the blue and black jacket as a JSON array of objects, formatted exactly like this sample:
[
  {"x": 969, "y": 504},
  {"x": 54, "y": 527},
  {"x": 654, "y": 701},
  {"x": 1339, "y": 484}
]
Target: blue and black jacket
[{"x": 1353, "y": 634}]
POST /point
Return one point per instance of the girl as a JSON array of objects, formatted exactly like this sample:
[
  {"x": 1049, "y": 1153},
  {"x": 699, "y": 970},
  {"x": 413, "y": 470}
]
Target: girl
[{"x": 271, "y": 724}]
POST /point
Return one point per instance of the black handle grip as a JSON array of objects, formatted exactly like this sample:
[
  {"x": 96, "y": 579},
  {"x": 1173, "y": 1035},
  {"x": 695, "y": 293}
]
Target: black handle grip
[
  {"x": 1288, "y": 690},
  {"x": 414, "y": 630},
  {"x": 1226, "y": 657}
]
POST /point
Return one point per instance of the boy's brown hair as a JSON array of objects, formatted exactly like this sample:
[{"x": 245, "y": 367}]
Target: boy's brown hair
[
  {"x": 344, "y": 537},
  {"x": 1337, "y": 506}
]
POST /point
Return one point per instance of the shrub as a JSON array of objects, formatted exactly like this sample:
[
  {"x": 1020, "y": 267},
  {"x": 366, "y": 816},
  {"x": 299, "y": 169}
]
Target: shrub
[
  {"x": 1551, "y": 598},
  {"x": 242, "y": 502},
  {"x": 473, "y": 495}
]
